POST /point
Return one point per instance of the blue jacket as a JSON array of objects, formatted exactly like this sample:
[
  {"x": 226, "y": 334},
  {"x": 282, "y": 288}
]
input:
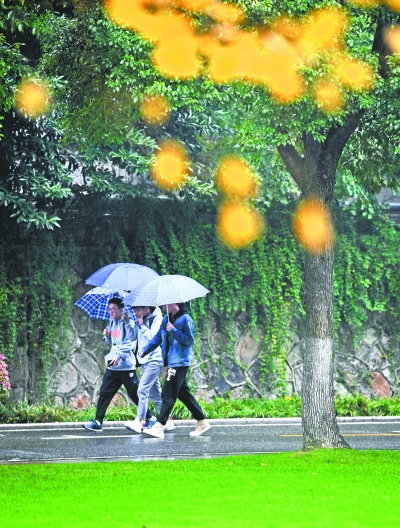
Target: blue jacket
[{"x": 181, "y": 341}]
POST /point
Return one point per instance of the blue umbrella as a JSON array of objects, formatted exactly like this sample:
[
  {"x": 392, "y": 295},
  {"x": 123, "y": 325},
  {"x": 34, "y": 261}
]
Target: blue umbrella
[
  {"x": 95, "y": 303},
  {"x": 121, "y": 276}
]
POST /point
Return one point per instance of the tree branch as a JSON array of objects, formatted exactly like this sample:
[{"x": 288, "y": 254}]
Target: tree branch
[
  {"x": 294, "y": 163},
  {"x": 337, "y": 137},
  {"x": 379, "y": 46}
]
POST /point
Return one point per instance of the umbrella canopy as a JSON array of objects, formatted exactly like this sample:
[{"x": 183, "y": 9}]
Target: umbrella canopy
[
  {"x": 166, "y": 289},
  {"x": 121, "y": 276},
  {"x": 95, "y": 303}
]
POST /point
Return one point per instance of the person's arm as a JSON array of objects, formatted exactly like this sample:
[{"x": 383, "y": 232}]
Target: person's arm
[
  {"x": 186, "y": 335},
  {"x": 153, "y": 344},
  {"x": 150, "y": 333},
  {"x": 107, "y": 334}
]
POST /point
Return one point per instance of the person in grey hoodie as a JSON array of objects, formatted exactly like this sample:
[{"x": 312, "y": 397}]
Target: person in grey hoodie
[
  {"x": 120, "y": 361},
  {"x": 149, "y": 319}
]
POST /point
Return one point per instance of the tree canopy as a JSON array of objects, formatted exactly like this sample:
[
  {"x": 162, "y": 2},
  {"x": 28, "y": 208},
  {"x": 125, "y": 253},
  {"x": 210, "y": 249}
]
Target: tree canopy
[{"x": 113, "y": 65}]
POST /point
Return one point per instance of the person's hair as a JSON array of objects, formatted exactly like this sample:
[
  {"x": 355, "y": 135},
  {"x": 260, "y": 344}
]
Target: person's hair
[
  {"x": 117, "y": 301},
  {"x": 184, "y": 305},
  {"x": 151, "y": 308}
]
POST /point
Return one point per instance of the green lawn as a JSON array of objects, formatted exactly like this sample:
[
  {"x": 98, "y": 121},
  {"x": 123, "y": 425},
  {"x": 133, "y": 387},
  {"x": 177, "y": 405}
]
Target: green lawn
[{"x": 339, "y": 488}]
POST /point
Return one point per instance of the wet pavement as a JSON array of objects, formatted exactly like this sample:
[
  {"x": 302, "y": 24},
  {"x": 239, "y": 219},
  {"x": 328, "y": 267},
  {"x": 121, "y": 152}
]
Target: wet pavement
[{"x": 70, "y": 442}]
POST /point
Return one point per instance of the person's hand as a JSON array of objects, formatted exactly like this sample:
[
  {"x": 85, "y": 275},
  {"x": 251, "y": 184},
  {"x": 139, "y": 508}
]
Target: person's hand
[
  {"x": 140, "y": 320},
  {"x": 107, "y": 331},
  {"x": 169, "y": 326},
  {"x": 124, "y": 316},
  {"x": 140, "y": 353},
  {"x": 113, "y": 362},
  {"x": 163, "y": 373}
]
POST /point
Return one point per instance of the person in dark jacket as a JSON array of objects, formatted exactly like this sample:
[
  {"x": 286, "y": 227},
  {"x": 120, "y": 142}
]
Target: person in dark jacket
[{"x": 176, "y": 336}]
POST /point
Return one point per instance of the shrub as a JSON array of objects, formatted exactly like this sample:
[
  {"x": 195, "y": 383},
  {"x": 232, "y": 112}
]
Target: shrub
[{"x": 4, "y": 379}]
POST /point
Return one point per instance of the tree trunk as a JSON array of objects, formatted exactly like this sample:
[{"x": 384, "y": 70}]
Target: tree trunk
[
  {"x": 315, "y": 174},
  {"x": 320, "y": 427}
]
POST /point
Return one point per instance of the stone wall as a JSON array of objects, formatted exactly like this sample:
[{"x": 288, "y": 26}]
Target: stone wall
[{"x": 373, "y": 369}]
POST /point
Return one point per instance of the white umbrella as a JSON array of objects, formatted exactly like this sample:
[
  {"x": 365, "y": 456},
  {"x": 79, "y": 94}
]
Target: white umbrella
[{"x": 166, "y": 289}]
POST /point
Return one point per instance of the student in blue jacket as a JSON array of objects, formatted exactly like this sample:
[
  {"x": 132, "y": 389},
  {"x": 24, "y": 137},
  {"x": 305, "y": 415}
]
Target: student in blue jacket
[{"x": 176, "y": 336}]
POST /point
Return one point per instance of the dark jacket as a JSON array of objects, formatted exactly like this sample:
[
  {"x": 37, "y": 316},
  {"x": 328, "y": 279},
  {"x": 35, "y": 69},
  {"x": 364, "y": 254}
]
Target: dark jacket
[{"x": 180, "y": 338}]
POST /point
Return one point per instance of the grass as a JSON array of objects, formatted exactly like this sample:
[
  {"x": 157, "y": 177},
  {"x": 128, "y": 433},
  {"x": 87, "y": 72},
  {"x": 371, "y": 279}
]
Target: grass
[
  {"x": 324, "y": 488},
  {"x": 285, "y": 407}
]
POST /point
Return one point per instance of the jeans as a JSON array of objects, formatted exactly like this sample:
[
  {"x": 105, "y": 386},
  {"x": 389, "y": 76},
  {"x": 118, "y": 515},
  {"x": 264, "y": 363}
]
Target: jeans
[
  {"x": 149, "y": 386},
  {"x": 175, "y": 387},
  {"x": 112, "y": 382}
]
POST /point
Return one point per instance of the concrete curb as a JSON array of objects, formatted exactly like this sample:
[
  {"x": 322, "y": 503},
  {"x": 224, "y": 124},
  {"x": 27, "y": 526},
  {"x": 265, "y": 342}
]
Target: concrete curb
[{"x": 215, "y": 421}]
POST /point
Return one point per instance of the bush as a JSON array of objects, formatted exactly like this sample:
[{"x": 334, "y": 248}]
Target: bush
[
  {"x": 4, "y": 379},
  {"x": 286, "y": 407}
]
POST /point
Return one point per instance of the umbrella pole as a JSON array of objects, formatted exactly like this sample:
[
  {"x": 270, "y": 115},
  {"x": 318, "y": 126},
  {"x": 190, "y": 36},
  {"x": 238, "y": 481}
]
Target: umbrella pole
[{"x": 167, "y": 314}]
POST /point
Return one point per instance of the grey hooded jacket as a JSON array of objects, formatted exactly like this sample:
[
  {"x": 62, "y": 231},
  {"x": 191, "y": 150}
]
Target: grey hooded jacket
[
  {"x": 122, "y": 344},
  {"x": 145, "y": 332}
]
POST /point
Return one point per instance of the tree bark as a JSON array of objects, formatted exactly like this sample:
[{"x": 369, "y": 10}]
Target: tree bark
[
  {"x": 320, "y": 427},
  {"x": 315, "y": 174}
]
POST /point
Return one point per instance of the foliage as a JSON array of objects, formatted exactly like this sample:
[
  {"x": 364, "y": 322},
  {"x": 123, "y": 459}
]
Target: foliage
[
  {"x": 364, "y": 283},
  {"x": 172, "y": 236},
  {"x": 75, "y": 45},
  {"x": 39, "y": 174},
  {"x": 4, "y": 378},
  {"x": 36, "y": 172},
  {"x": 113, "y": 65},
  {"x": 10, "y": 295},
  {"x": 261, "y": 285},
  {"x": 35, "y": 296},
  {"x": 358, "y": 405},
  {"x": 220, "y": 408}
]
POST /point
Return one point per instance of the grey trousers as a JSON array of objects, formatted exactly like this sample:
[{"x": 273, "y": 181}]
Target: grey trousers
[{"x": 149, "y": 386}]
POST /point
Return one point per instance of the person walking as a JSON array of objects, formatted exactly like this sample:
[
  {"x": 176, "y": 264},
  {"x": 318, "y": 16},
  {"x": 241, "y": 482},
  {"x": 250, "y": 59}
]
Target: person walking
[
  {"x": 176, "y": 337},
  {"x": 149, "y": 319},
  {"x": 120, "y": 361}
]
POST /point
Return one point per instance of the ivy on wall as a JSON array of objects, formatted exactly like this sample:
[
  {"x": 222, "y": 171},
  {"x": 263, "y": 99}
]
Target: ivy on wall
[
  {"x": 39, "y": 272},
  {"x": 366, "y": 279},
  {"x": 37, "y": 276}
]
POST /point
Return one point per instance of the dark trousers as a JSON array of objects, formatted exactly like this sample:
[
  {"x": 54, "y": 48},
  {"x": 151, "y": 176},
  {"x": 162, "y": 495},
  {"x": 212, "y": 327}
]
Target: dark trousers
[
  {"x": 112, "y": 382},
  {"x": 176, "y": 388}
]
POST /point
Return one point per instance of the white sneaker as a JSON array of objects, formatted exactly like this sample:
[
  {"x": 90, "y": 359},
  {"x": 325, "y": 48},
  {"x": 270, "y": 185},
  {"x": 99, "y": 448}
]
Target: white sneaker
[
  {"x": 169, "y": 426},
  {"x": 157, "y": 430},
  {"x": 136, "y": 425},
  {"x": 201, "y": 427}
]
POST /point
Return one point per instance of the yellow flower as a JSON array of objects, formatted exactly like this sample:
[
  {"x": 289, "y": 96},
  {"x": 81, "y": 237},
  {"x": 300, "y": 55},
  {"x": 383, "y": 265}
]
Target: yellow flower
[
  {"x": 170, "y": 168},
  {"x": 235, "y": 178},
  {"x": 312, "y": 226},
  {"x": 155, "y": 109},
  {"x": 32, "y": 98},
  {"x": 238, "y": 225}
]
